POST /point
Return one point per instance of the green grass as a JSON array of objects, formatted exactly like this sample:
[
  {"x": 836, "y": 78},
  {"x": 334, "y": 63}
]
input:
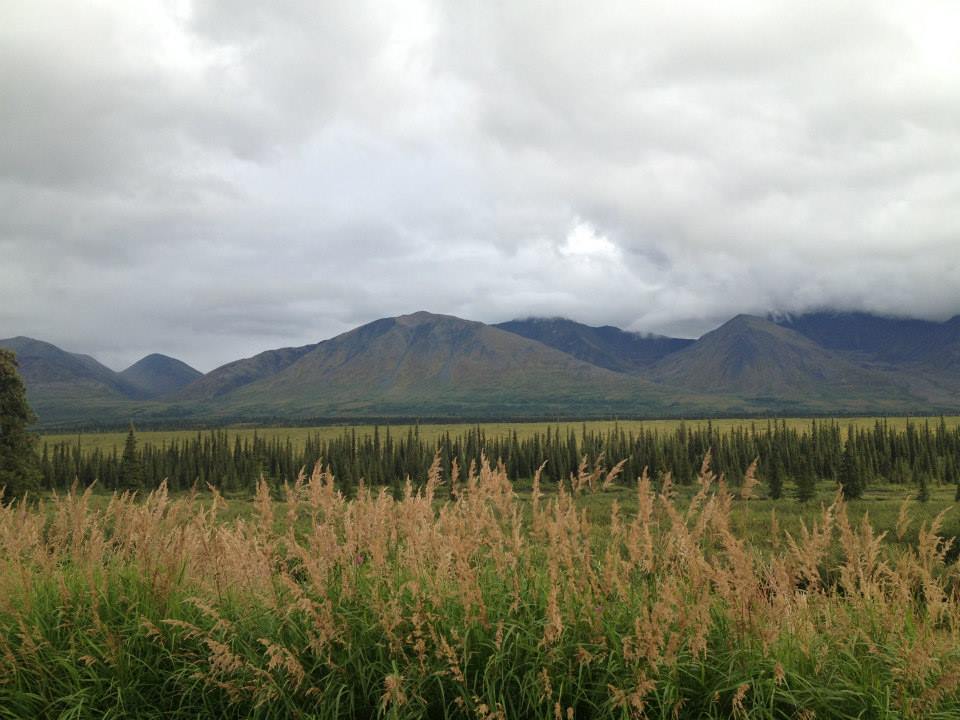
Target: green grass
[
  {"x": 116, "y": 609},
  {"x": 754, "y": 520}
]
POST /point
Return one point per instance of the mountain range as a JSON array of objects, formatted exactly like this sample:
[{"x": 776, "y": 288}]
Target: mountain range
[{"x": 438, "y": 366}]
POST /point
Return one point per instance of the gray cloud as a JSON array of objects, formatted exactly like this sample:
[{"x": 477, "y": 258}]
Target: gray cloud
[{"x": 210, "y": 179}]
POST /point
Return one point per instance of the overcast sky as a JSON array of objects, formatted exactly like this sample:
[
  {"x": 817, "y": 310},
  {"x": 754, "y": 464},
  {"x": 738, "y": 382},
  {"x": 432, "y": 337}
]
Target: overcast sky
[{"x": 212, "y": 179}]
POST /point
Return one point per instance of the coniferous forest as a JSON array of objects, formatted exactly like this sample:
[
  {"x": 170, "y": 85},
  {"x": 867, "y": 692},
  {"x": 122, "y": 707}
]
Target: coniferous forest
[{"x": 791, "y": 460}]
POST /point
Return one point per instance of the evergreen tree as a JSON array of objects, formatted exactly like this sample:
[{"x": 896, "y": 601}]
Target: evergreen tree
[
  {"x": 951, "y": 477},
  {"x": 851, "y": 478},
  {"x": 131, "y": 466},
  {"x": 775, "y": 479},
  {"x": 923, "y": 489},
  {"x": 901, "y": 472},
  {"x": 806, "y": 483},
  {"x": 19, "y": 465}
]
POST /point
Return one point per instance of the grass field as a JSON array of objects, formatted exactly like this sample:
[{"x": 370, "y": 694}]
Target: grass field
[
  {"x": 507, "y": 601},
  {"x": 755, "y": 520},
  {"x": 109, "y": 441}
]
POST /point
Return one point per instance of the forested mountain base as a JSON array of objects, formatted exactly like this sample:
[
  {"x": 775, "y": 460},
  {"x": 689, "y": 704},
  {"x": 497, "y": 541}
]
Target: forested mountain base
[{"x": 791, "y": 459}]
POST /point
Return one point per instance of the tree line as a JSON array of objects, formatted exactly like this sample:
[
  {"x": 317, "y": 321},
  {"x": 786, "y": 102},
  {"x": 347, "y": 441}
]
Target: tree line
[{"x": 791, "y": 460}]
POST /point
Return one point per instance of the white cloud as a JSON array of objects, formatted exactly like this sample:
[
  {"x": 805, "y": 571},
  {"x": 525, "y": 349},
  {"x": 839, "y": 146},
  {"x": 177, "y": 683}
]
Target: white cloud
[
  {"x": 585, "y": 243},
  {"x": 211, "y": 178}
]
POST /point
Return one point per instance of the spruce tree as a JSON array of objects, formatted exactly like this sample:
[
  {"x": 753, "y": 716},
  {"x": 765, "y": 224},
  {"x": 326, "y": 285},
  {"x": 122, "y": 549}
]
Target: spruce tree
[
  {"x": 806, "y": 483},
  {"x": 951, "y": 477},
  {"x": 923, "y": 487},
  {"x": 775, "y": 479},
  {"x": 19, "y": 465},
  {"x": 851, "y": 478},
  {"x": 131, "y": 468}
]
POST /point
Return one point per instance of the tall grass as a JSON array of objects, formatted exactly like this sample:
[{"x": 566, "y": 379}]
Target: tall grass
[{"x": 466, "y": 602}]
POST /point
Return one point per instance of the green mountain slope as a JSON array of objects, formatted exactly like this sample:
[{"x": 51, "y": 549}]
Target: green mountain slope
[
  {"x": 50, "y": 372},
  {"x": 757, "y": 359},
  {"x": 69, "y": 388},
  {"x": 158, "y": 376},
  {"x": 441, "y": 365},
  {"x": 919, "y": 354},
  {"x": 229, "y": 377}
]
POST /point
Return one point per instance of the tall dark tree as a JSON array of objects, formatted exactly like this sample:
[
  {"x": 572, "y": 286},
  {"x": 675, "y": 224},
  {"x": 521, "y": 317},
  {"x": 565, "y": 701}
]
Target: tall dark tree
[
  {"x": 19, "y": 464},
  {"x": 775, "y": 479},
  {"x": 950, "y": 475},
  {"x": 851, "y": 474},
  {"x": 131, "y": 466},
  {"x": 806, "y": 480}
]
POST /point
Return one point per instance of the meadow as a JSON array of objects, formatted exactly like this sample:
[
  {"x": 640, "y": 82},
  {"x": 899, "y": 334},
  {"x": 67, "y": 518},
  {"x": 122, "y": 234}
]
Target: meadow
[
  {"x": 110, "y": 441},
  {"x": 596, "y": 597}
]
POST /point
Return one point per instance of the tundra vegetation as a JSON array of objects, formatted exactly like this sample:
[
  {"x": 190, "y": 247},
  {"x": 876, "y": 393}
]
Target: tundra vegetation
[{"x": 461, "y": 597}]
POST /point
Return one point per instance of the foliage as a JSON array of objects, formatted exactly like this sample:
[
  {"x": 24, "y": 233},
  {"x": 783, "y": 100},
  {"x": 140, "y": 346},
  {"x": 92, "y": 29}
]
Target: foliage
[
  {"x": 476, "y": 607},
  {"x": 19, "y": 471},
  {"x": 806, "y": 483},
  {"x": 775, "y": 478},
  {"x": 851, "y": 473},
  {"x": 130, "y": 476}
]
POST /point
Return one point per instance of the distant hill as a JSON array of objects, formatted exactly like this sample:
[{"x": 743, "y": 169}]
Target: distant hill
[
  {"x": 69, "y": 388},
  {"x": 236, "y": 374},
  {"x": 49, "y": 371},
  {"x": 756, "y": 358},
  {"x": 605, "y": 346},
  {"x": 947, "y": 355},
  {"x": 157, "y": 376},
  {"x": 874, "y": 337},
  {"x": 439, "y": 366},
  {"x": 923, "y": 355}
]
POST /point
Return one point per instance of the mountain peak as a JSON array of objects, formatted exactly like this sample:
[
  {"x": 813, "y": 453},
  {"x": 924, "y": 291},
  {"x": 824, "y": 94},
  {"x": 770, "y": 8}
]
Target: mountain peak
[
  {"x": 157, "y": 375},
  {"x": 752, "y": 356},
  {"x": 746, "y": 320},
  {"x": 154, "y": 358},
  {"x": 743, "y": 325},
  {"x": 23, "y": 344},
  {"x": 423, "y": 317},
  {"x": 55, "y": 374}
]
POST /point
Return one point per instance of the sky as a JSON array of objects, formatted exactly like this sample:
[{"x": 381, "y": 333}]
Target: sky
[{"x": 213, "y": 179}]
